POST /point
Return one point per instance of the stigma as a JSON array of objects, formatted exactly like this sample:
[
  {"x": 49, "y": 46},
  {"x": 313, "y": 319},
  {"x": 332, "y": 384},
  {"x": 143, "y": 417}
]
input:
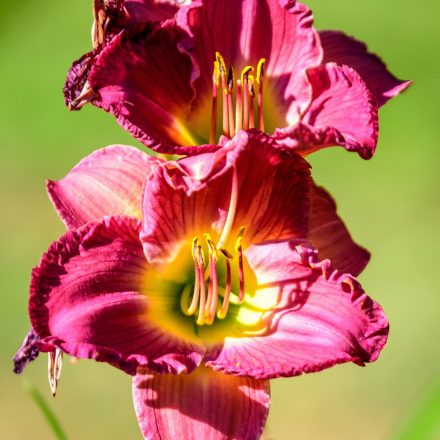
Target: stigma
[
  {"x": 208, "y": 297},
  {"x": 247, "y": 92}
]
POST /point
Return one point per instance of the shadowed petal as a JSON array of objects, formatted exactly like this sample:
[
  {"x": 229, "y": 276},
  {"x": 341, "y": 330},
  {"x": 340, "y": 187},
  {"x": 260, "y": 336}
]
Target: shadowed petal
[
  {"x": 202, "y": 405},
  {"x": 144, "y": 81},
  {"x": 194, "y": 196},
  {"x": 319, "y": 318},
  {"x": 142, "y": 11},
  {"x": 329, "y": 235},
  {"x": 107, "y": 182},
  {"x": 93, "y": 295},
  {"x": 343, "y": 49},
  {"x": 343, "y": 112}
]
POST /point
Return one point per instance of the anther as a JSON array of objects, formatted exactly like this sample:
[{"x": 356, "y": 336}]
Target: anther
[{"x": 55, "y": 363}]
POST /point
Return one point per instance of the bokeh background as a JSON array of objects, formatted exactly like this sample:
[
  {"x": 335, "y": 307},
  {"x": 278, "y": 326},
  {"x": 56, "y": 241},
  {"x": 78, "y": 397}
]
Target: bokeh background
[{"x": 390, "y": 203}]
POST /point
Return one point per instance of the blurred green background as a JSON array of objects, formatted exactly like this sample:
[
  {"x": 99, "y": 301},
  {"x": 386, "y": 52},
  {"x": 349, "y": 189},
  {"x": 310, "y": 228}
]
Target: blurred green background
[{"x": 390, "y": 203}]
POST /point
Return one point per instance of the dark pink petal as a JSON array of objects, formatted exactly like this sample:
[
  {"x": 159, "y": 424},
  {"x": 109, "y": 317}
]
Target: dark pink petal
[
  {"x": 330, "y": 236},
  {"x": 194, "y": 195},
  {"x": 93, "y": 295},
  {"x": 76, "y": 89},
  {"x": 343, "y": 49},
  {"x": 244, "y": 31},
  {"x": 343, "y": 112},
  {"x": 142, "y": 11},
  {"x": 144, "y": 81},
  {"x": 107, "y": 182},
  {"x": 202, "y": 405},
  {"x": 320, "y": 318},
  {"x": 110, "y": 18}
]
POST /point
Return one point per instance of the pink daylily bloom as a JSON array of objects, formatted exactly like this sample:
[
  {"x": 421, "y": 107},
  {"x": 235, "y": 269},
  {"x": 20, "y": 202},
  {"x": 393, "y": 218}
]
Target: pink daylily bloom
[
  {"x": 186, "y": 81},
  {"x": 215, "y": 288}
]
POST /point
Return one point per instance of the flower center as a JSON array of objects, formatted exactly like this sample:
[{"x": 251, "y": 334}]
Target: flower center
[
  {"x": 202, "y": 298},
  {"x": 246, "y": 113}
]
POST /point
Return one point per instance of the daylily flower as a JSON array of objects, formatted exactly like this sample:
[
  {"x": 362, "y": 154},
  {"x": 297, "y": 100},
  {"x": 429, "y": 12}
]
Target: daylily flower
[
  {"x": 204, "y": 285},
  {"x": 222, "y": 66}
]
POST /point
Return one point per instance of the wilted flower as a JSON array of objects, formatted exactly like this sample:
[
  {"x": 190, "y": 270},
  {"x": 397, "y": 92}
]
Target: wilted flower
[
  {"x": 216, "y": 284},
  {"x": 222, "y": 66}
]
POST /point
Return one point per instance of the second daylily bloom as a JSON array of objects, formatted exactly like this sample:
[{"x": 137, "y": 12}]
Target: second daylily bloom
[
  {"x": 214, "y": 291},
  {"x": 222, "y": 66}
]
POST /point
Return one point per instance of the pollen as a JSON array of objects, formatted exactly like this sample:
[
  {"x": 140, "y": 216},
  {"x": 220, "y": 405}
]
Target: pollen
[{"x": 245, "y": 113}]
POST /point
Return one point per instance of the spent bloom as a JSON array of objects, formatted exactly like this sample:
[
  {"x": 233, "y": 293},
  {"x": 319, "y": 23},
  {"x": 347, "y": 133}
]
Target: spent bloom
[
  {"x": 213, "y": 68},
  {"x": 201, "y": 282}
]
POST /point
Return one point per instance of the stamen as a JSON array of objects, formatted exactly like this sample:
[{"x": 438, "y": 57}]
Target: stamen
[
  {"x": 260, "y": 77},
  {"x": 231, "y": 210},
  {"x": 239, "y": 249},
  {"x": 215, "y": 84},
  {"x": 245, "y": 82},
  {"x": 251, "y": 102},
  {"x": 202, "y": 302},
  {"x": 214, "y": 291},
  {"x": 221, "y": 314},
  {"x": 188, "y": 311},
  {"x": 211, "y": 302},
  {"x": 238, "y": 109},
  {"x": 230, "y": 101},
  {"x": 55, "y": 363},
  {"x": 222, "y": 70}
]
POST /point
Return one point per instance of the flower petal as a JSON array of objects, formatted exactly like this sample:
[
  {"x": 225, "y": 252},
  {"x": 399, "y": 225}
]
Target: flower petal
[
  {"x": 343, "y": 112},
  {"x": 319, "y": 318},
  {"x": 343, "y": 49},
  {"x": 94, "y": 296},
  {"x": 204, "y": 404},
  {"x": 144, "y": 81},
  {"x": 329, "y": 235},
  {"x": 244, "y": 31},
  {"x": 107, "y": 182},
  {"x": 194, "y": 196},
  {"x": 143, "y": 11}
]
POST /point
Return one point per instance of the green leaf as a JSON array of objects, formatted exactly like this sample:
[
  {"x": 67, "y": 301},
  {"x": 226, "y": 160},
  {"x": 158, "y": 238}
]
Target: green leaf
[{"x": 45, "y": 408}]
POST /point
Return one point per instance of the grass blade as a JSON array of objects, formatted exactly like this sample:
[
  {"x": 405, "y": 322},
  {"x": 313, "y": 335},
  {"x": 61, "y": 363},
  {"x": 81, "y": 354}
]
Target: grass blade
[{"x": 45, "y": 408}]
